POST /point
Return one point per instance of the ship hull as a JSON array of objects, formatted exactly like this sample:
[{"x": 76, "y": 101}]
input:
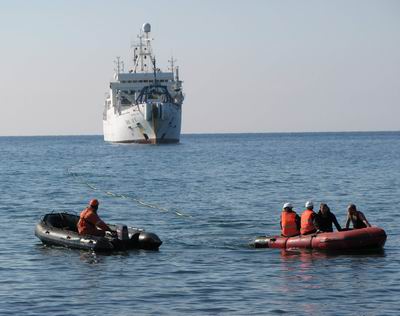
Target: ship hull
[
  {"x": 153, "y": 141},
  {"x": 146, "y": 123}
]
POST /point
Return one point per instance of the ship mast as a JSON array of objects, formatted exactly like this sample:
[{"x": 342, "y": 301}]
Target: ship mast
[
  {"x": 119, "y": 65},
  {"x": 142, "y": 50},
  {"x": 172, "y": 62},
  {"x": 154, "y": 70}
]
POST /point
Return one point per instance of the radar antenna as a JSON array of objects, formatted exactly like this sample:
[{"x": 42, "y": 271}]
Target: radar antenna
[
  {"x": 119, "y": 65},
  {"x": 172, "y": 61}
]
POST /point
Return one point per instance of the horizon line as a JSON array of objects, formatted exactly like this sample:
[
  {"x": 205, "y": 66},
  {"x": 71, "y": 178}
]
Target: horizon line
[{"x": 221, "y": 133}]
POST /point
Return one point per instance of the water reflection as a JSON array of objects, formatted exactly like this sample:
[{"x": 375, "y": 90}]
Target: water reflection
[
  {"x": 310, "y": 266},
  {"x": 309, "y": 255},
  {"x": 305, "y": 256},
  {"x": 90, "y": 257},
  {"x": 299, "y": 264}
]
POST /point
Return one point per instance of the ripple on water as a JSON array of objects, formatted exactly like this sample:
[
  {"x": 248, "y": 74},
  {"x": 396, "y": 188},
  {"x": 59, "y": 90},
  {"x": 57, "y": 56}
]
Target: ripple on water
[{"x": 233, "y": 187}]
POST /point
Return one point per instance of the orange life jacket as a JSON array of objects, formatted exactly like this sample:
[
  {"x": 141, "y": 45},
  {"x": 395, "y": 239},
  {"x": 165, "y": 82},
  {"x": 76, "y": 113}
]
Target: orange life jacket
[
  {"x": 307, "y": 225},
  {"x": 85, "y": 224},
  {"x": 289, "y": 225}
]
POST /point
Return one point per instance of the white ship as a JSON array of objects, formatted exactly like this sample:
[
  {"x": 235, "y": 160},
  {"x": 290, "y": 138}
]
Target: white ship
[{"x": 144, "y": 105}]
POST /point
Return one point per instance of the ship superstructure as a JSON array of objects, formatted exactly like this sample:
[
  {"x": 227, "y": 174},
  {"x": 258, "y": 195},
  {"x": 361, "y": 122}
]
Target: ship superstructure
[{"x": 144, "y": 105}]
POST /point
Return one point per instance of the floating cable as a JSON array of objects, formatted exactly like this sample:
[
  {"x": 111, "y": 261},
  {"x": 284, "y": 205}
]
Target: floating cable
[{"x": 82, "y": 180}]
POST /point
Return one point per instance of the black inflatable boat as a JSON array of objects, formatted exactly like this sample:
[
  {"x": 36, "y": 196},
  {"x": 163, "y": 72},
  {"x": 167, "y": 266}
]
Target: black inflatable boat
[{"x": 60, "y": 229}]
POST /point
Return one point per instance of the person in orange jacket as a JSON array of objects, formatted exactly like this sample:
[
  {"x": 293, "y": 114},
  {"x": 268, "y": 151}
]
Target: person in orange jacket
[
  {"x": 307, "y": 219},
  {"x": 90, "y": 223},
  {"x": 290, "y": 221}
]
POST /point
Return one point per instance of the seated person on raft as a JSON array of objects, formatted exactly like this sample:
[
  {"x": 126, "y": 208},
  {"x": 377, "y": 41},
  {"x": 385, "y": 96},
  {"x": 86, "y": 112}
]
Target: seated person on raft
[
  {"x": 356, "y": 217},
  {"x": 90, "y": 223},
  {"x": 290, "y": 221},
  {"x": 307, "y": 219},
  {"x": 324, "y": 219}
]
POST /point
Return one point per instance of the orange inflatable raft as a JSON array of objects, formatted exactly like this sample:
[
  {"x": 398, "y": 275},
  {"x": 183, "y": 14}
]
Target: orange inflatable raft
[{"x": 364, "y": 238}]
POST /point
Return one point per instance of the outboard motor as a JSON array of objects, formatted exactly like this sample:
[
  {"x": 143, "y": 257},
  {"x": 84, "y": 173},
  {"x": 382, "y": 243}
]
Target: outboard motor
[
  {"x": 149, "y": 241},
  {"x": 122, "y": 232}
]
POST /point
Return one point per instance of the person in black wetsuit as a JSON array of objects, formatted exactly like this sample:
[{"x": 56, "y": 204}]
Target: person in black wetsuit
[
  {"x": 324, "y": 219},
  {"x": 356, "y": 217}
]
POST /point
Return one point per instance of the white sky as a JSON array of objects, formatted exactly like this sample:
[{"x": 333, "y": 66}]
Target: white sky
[{"x": 247, "y": 66}]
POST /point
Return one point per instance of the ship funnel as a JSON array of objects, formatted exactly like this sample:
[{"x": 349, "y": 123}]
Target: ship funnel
[{"x": 146, "y": 28}]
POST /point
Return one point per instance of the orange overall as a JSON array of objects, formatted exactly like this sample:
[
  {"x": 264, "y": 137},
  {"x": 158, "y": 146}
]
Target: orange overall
[{"x": 88, "y": 223}]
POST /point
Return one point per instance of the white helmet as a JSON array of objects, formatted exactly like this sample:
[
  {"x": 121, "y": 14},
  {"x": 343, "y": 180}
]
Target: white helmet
[
  {"x": 287, "y": 205},
  {"x": 309, "y": 204}
]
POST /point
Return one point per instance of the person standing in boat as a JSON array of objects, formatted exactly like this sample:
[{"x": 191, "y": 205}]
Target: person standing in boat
[
  {"x": 290, "y": 221},
  {"x": 324, "y": 219},
  {"x": 307, "y": 219},
  {"x": 90, "y": 223},
  {"x": 356, "y": 217}
]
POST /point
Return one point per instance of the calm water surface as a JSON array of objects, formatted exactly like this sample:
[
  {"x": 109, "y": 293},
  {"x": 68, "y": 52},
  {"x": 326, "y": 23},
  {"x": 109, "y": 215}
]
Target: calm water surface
[{"x": 206, "y": 198}]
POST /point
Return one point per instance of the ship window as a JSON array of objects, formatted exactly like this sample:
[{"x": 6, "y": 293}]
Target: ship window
[{"x": 125, "y": 101}]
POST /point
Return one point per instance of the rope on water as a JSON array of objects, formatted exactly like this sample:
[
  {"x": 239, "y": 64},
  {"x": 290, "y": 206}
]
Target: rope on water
[{"x": 82, "y": 180}]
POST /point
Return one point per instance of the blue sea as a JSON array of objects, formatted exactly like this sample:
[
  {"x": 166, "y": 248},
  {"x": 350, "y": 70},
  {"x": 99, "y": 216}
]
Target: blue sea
[{"x": 206, "y": 198}]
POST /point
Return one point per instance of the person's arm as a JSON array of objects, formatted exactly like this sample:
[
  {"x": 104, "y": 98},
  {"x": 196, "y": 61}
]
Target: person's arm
[
  {"x": 103, "y": 226},
  {"x": 95, "y": 219},
  {"x": 316, "y": 222},
  {"x": 348, "y": 221},
  {"x": 298, "y": 222},
  {"x": 334, "y": 220},
  {"x": 364, "y": 219}
]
